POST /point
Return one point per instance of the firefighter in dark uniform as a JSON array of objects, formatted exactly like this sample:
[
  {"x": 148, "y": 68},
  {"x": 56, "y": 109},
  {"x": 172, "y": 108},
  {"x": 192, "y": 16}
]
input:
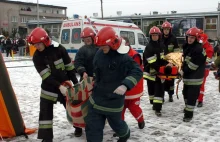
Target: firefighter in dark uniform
[
  {"x": 54, "y": 65},
  {"x": 192, "y": 71},
  {"x": 153, "y": 59},
  {"x": 84, "y": 58},
  {"x": 171, "y": 44},
  {"x": 115, "y": 73}
]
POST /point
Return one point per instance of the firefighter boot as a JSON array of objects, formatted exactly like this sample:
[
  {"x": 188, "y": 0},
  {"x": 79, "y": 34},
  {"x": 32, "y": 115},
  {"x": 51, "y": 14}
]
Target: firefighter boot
[
  {"x": 170, "y": 98},
  {"x": 158, "y": 113},
  {"x": 200, "y": 104},
  {"x": 78, "y": 132},
  {"x": 47, "y": 140},
  {"x": 141, "y": 125},
  {"x": 187, "y": 119}
]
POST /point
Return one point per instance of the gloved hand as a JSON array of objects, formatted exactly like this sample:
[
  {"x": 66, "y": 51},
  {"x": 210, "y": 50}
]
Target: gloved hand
[
  {"x": 120, "y": 90},
  {"x": 181, "y": 73},
  {"x": 85, "y": 75},
  {"x": 63, "y": 90}
]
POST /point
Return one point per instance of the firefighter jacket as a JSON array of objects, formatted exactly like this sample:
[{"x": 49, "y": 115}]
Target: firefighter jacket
[
  {"x": 54, "y": 66},
  {"x": 170, "y": 43},
  {"x": 193, "y": 64},
  {"x": 84, "y": 59},
  {"x": 137, "y": 91},
  {"x": 112, "y": 70},
  {"x": 209, "y": 53},
  {"x": 153, "y": 59}
]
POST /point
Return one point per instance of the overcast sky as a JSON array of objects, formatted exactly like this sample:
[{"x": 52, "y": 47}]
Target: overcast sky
[{"x": 129, "y": 7}]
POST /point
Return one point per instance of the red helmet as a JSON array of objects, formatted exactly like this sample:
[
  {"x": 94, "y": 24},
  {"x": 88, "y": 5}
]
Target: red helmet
[
  {"x": 107, "y": 36},
  {"x": 166, "y": 25},
  {"x": 154, "y": 30},
  {"x": 193, "y": 32},
  {"x": 87, "y": 32},
  {"x": 203, "y": 38},
  {"x": 201, "y": 31},
  {"x": 39, "y": 35}
]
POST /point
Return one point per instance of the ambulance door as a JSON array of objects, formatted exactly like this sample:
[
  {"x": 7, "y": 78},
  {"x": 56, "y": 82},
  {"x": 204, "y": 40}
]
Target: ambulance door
[{"x": 141, "y": 41}]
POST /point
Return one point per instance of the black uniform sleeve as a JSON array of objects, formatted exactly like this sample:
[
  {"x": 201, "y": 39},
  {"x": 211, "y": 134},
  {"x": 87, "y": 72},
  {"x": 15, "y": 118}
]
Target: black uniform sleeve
[
  {"x": 79, "y": 61},
  {"x": 197, "y": 58},
  {"x": 134, "y": 73},
  {"x": 69, "y": 67},
  {"x": 45, "y": 72},
  {"x": 150, "y": 59}
]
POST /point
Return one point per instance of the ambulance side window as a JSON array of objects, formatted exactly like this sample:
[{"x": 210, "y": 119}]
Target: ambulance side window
[
  {"x": 76, "y": 36},
  {"x": 142, "y": 39},
  {"x": 129, "y": 35},
  {"x": 65, "y": 39}
]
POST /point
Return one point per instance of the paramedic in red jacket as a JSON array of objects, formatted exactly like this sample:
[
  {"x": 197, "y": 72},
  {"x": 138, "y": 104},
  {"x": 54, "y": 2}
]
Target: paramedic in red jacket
[
  {"x": 209, "y": 53},
  {"x": 132, "y": 98}
]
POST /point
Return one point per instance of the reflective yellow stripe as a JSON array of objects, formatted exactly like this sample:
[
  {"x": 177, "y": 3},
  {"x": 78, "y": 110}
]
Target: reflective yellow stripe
[
  {"x": 192, "y": 66},
  {"x": 193, "y": 81},
  {"x": 59, "y": 64},
  {"x": 146, "y": 75},
  {"x": 189, "y": 108},
  {"x": 162, "y": 55},
  {"x": 132, "y": 79},
  {"x": 158, "y": 100},
  {"x": 203, "y": 52},
  {"x": 151, "y": 97},
  {"x": 45, "y": 73},
  {"x": 69, "y": 66},
  {"x": 208, "y": 59},
  {"x": 152, "y": 59},
  {"x": 49, "y": 95},
  {"x": 177, "y": 50},
  {"x": 105, "y": 108},
  {"x": 45, "y": 124}
]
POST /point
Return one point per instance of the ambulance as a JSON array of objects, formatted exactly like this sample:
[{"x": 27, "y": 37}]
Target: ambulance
[{"x": 71, "y": 29}]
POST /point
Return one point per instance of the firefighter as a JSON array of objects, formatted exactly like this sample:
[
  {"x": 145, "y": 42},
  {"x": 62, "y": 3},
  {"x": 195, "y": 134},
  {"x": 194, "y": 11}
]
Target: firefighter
[
  {"x": 132, "y": 97},
  {"x": 192, "y": 71},
  {"x": 84, "y": 57},
  {"x": 8, "y": 46},
  {"x": 209, "y": 52},
  {"x": 154, "y": 59},
  {"x": 171, "y": 44},
  {"x": 54, "y": 65},
  {"x": 115, "y": 73}
]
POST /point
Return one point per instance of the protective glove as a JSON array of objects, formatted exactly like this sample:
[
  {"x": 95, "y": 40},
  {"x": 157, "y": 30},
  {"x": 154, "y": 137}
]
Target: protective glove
[
  {"x": 181, "y": 73},
  {"x": 120, "y": 90},
  {"x": 85, "y": 75},
  {"x": 63, "y": 90}
]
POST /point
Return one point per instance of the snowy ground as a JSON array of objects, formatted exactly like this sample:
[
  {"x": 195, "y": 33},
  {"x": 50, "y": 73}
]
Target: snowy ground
[{"x": 205, "y": 125}]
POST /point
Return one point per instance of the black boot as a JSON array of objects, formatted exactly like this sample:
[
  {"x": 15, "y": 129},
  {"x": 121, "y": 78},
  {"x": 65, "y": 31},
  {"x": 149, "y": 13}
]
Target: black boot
[
  {"x": 123, "y": 139},
  {"x": 78, "y": 132},
  {"x": 158, "y": 113},
  {"x": 187, "y": 119},
  {"x": 200, "y": 104},
  {"x": 47, "y": 140},
  {"x": 141, "y": 125},
  {"x": 170, "y": 98}
]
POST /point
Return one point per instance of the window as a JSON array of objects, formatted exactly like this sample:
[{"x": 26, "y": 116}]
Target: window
[
  {"x": 14, "y": 19},
  {"x": 65, "y": 39},
  {"x": 211, "y": 23},
  {"x": 142, "y": 39},
  {"x": 76, "y": 36},
  {"x": 129, "y": 35},
  {"x": 23, "y": 19}
]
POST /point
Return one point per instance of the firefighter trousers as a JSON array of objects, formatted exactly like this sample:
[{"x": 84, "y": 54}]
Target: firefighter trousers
[
  {"x": 134, "y": 107},
  {"x": 95, "y": 122},
  {"x": 151, "y": 91},
  {"x": 159, "y": 94},
  {"x": 202, "y": 89},
  {"x": 190, "y": 93},
  {"x": 169, "y": 86}
]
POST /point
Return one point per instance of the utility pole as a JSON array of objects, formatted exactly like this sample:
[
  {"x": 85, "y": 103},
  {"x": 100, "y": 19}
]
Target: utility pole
[
  {"x": 37, "y": 13},
  {"x": 102, "y": 9}
]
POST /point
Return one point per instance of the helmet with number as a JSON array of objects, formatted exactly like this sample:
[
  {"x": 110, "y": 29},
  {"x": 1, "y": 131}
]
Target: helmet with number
[
  {"x": 87, "y": 32},
  {"x": 39, "y": 35},
  {"x": 154, "y": 30},
  {"x": 107, "y": 36},
  {"x": 193, "y": 32},
  {"x": 166, "y": 25}
]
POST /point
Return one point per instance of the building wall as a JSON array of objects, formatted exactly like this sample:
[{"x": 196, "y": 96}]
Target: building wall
[{"x": 13, "y": 17}]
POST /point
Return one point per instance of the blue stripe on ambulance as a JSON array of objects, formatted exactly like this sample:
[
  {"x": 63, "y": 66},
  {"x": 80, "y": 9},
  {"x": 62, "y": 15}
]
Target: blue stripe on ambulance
[{"x": 76, "y": 50}]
